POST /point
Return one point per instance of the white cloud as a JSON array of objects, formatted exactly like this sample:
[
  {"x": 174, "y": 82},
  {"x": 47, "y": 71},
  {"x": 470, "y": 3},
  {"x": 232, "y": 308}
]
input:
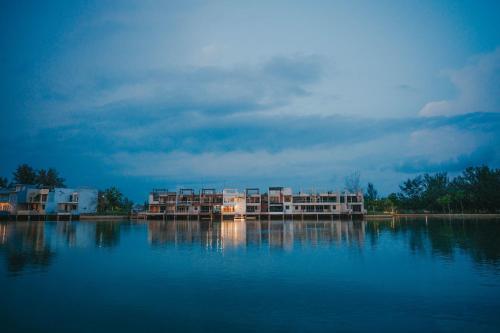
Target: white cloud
[
  {"x": 323, "y": 165},
  {"x": 478, "y": 87}
]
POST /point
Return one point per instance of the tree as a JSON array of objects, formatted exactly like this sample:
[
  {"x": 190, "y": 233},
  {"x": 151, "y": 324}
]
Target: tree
[
  {"x": 112, "y": 200},
  {"x": 481, "y": 185},
  {"x": 458, "y": 197},
  {"x": 475, "y": 190},
  {"x": 3, "y": 182},
  {"x": 352, "y": 182},
  {"x": 49, "y": 178},
  {"x": 444, "y": 201},
  {"x": 371, "y": 192},
  {"x": 127, "y": 204},
  {"x": 41, "y": 177},
  {"x": 371, "y": 196},
  {"x": 411, "y": 193},
  {"x": 392, "y": 202},
  {"x": 24, "y": 174},
  {"x": 434, "y": 187}
]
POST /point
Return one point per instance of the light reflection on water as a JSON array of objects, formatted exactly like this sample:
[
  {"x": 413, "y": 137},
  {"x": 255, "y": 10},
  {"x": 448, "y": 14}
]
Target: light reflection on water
[
  {"x": 262, "y": 234},
  {"x": 392, "y": 275}
]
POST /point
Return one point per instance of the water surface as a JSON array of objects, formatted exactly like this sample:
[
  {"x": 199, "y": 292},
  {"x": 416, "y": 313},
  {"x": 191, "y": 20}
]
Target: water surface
[{"x": 349, "y": 276}]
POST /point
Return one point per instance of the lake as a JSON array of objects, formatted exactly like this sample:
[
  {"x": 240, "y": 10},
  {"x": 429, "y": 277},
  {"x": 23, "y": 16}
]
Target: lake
[{"x": 406, "y": 275}]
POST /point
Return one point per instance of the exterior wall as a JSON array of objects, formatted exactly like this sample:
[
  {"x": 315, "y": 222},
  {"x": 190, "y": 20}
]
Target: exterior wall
[
  {"x": 253, "y": 201},
  {"x": 280, "y": 200},
  {"x": 210, "y": 201},
  {"x": 315, "y": 203},
  {"x": 159, "y": 200},
  {"x": 74, "y": 201},
  {"x": 233, "y": 202},
  {"x": 87, "y": 200},
  {"x": 5, "y": 204},
  {"x": 277, "y": 201}
]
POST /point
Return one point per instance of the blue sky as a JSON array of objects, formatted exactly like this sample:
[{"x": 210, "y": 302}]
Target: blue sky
[{"x": 143, "y": 94}]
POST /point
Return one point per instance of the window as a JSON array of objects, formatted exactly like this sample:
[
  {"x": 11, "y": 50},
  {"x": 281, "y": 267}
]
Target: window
[{"x": 276, "y": 209}]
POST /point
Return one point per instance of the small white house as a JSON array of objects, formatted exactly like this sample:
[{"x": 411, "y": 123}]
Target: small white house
[{"x": 72, "y": 200}]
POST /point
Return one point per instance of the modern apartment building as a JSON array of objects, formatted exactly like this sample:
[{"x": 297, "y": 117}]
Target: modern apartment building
[{"x": 277, "y": 201}]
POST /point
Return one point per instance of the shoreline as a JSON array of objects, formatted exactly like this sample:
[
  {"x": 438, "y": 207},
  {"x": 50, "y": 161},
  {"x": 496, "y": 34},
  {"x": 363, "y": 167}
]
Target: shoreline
[
  {"x": 134, "y": 217},
  {"x": 106, "y": 217},
  {"x": 432, "y": 215}
]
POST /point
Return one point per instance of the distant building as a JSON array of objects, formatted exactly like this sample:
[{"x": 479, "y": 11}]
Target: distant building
[
  {"x": 30, "y": 199},
  {"x": 275, "y": 202},
  {"x": 233, "y": 202}
]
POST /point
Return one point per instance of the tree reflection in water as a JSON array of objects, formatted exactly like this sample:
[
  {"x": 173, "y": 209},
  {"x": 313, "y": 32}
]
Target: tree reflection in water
[
  {"x": 444, "y": 237},
  {"x": 24, "y": 246},
  {"x": 107, "y": 233},
  {"x": 27, "y": 245}
]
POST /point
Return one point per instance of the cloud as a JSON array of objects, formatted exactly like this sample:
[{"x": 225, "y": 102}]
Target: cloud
[
  {"x": 165, "y": 92},
  {"x": 300, "y": 156},
  {"x": 478, "y": 88},
  {"x": 480, "y": 156},
  {"x": 314, "y": 165}
]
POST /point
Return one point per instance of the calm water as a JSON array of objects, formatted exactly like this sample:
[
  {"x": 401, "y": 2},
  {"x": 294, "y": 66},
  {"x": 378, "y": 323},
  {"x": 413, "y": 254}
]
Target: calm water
[{"x": 406, "y": 275}]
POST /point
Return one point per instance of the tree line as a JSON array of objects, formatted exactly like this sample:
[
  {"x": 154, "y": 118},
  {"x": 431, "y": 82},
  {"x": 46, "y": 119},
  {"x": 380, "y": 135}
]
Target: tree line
[
  {"x": 109, "y": 201},
  {"x": 25, "y": 174},
  {"x": 475, "y": 190}
]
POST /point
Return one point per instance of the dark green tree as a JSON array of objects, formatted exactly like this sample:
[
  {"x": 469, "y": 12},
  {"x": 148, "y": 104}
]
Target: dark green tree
[
  {"x": 112, "y": 200},
  {"x": 480, "y": 185},
  {"x": 392, "y": 202},
  {"x": 24, "y": 174},
  {"x": 3, "y": 182},
  {"x": 371, "y": 197},
  {"x": 434, "y": 187},
  {"x": 475, "y": 190},
  {"x": 371, "y": 192},
  {"x": 49, "y": 178},
  {"x": 411, "y": 193},
  {"x": 127, "y": 204},
  {"x": 444, "y": 201}
]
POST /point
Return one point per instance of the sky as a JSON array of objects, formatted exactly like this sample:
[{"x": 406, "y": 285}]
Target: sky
[{"x": 235, "y": 94}]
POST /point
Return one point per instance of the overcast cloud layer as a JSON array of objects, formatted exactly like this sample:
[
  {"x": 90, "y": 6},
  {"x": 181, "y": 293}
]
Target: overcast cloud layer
[{"x": 153, "y": 94}]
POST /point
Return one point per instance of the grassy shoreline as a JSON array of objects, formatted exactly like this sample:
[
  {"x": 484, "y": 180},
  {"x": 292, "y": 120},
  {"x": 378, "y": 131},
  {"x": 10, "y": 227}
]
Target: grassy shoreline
[
  {"x": 92, "y": 218},
  {"x": 440, "y": 215},
  {"x": 366, "y": 217}
]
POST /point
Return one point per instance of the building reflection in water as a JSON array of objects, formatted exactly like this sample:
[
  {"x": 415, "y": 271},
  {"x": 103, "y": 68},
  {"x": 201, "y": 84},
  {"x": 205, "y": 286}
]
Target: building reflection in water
[
  {"x": 33, "y": 245},
  {"x": 272, "y": 234},
  {"x": 24, "y": 246}
]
